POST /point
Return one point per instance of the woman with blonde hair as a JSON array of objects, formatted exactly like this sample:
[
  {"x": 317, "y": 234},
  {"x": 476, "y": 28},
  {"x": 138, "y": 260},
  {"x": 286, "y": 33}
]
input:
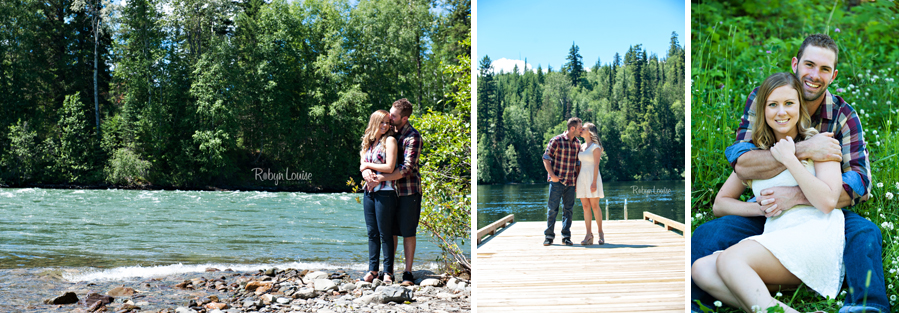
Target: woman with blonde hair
[
  {"x": 802, "y": 244},
  {"x": 588, "y": 185},
  {"x": 378, "y": 152}
]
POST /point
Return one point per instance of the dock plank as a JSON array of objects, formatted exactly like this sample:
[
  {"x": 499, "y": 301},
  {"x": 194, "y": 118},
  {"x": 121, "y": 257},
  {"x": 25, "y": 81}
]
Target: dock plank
[{"x": 640, "y": 269}]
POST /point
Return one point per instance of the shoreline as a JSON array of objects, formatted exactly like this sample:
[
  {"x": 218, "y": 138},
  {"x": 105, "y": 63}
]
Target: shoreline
[{"x": 229, "y": 291}]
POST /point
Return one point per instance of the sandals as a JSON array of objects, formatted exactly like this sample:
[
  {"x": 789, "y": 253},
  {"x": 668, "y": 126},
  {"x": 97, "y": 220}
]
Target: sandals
[
  {"x": 408, "y": 279},
  {"x": 600, "y": 240},
  {"x": 388, "y": 278},
  {"x": 588, "y": 240},
  {"x": 370, "y": 276}
]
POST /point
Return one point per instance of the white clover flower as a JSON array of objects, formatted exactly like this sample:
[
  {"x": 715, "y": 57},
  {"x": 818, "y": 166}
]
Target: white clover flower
[
  {"x": 879, "y": 185},
  {"x": 889, "y": 195},
  {"x": 756, "y": 309},
  {"x": 718, "y": 304},
  {"x": 840, "y": 303},
  {"x": 778, "y": 294},
  {"x": 859, "y": 75},
  {"x": 863, "y": 112},
  {"x": 874, "y": 131},
  {"x": 843, "y": 293},
  {"x": 893, "y": 297}
]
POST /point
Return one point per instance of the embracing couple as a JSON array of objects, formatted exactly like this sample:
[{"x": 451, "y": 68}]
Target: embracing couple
[
  {"x": 393, "y": 193},
  {"x": 573, "y": 170},
  {"x": 801, "y": 151}
]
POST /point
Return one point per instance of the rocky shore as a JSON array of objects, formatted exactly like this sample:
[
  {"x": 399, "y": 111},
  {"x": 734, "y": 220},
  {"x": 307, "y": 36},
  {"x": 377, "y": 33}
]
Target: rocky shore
[{"x": 270, "y": 291}]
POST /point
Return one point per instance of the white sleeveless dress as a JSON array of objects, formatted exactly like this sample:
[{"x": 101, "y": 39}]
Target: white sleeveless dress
[
  {"x": 809, "y": 243},
  {"x": 586, "y": 175}
]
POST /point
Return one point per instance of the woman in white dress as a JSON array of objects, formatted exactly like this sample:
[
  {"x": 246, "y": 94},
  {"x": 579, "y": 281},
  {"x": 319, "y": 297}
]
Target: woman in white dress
[
  {"x": 800, "y": 244},
  {"x": 588, "y": 185}
]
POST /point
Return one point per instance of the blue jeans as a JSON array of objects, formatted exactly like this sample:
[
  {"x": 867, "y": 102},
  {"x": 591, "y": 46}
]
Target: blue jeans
[
  {"x": 567, "y": 193},
  {"x": 862, "y": 255},
  {"x": 380, "y": 209}
]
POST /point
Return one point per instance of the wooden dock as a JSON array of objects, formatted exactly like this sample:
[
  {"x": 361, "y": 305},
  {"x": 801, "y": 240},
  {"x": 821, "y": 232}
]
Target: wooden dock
[{"x": 641, "y": 268}]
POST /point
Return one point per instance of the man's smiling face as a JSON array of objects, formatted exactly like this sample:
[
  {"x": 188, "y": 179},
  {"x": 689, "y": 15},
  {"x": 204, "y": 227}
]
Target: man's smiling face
[{"x": 815, "y": 70}]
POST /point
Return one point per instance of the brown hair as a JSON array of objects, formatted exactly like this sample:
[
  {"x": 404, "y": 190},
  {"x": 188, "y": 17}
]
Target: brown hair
[
  {"x": 822, "y": 41},
  {"x": 593, "y": 130},
  {"x": 368, "y": 138},
  {"x": 572, "y": 122},
  {"x": 404, "y": 106},
  {"x": 763, "y": 136}
]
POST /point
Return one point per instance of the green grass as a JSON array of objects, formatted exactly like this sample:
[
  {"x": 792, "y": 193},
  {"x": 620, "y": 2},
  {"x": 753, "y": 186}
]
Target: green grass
[{"x": 733, "y": 51}]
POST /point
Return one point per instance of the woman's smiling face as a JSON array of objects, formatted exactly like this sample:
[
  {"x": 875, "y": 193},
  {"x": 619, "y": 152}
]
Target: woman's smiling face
[
  {"x": 385, "y": 125},
  {"x": 783, "y": 111}
]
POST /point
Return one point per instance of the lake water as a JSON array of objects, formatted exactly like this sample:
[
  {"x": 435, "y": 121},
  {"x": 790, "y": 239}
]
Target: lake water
[
  {"x": 529, "y": 202},
  {"x": 111, "y": 234}
]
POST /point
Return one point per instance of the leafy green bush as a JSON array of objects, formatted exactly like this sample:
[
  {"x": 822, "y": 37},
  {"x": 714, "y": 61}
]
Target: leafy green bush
[
  {"x": 21, "y": 161},
  {"x": 736, "y": 45},
  {"x": 126, "y": 168},
  {"x": 445, "y": 166}
]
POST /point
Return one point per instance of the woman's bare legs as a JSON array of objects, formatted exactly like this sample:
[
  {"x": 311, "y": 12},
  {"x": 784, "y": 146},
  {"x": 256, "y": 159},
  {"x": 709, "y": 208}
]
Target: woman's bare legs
[
  {"x": 595, "y": 206},
  {"x": 705, "y": 275},
  {"x": 586, "y": 206},
  {"x": 746, "y": 268}
]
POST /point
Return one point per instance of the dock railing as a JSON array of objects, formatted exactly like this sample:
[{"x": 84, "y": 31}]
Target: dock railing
[
  {"x": 667, "y": 223},
  {"x": 490, "y": 230}
]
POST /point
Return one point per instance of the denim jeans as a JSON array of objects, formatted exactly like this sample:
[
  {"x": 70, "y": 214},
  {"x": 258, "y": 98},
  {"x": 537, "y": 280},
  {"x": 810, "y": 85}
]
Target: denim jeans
[
  {"x": 380, "y": 209},
  {"x": 862, "y": 254},
  {"x": 567, "y": 193}
]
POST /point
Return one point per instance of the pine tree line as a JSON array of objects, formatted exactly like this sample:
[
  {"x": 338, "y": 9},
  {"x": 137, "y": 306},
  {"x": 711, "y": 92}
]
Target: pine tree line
[{"x": 196, "y": 93}]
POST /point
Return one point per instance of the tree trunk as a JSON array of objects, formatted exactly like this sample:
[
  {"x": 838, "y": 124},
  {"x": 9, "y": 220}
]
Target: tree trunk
[{"x": 96, "y": 97}]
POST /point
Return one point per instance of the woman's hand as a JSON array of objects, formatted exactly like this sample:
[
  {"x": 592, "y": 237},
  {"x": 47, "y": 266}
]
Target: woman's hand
[
  {"x": 363, "y": 166},
  {"x": 594, "y": 187},
  {"x": 783, "y": 150}
]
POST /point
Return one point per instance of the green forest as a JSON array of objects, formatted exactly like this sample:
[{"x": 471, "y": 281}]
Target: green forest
[
  {"x": 198, "y": 93},
  {"x": 636, "y": 101}
]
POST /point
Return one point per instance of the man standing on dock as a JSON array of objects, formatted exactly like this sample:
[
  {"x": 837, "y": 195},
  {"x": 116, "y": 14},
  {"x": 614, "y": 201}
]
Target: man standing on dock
[{"x": 561, "y": 161}]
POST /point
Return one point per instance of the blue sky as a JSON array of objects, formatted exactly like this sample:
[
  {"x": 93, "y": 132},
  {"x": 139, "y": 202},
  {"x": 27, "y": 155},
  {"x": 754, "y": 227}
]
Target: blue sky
[{"x": 543, "y": 31}]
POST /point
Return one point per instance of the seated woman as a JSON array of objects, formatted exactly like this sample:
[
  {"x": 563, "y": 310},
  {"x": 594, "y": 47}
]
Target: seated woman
[{"x": 800, "y": 244}]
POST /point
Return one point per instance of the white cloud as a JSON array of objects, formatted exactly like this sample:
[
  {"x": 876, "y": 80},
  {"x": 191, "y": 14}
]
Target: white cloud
[{"x": 506, "y": 65}]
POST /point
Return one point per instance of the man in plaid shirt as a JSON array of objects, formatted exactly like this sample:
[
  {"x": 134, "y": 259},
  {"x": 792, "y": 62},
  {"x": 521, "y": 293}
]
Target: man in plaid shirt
[
  {"x": 561, "y": 162},
  {"x": 409, "y": 183},
  {"x": 840, "y": 139}
]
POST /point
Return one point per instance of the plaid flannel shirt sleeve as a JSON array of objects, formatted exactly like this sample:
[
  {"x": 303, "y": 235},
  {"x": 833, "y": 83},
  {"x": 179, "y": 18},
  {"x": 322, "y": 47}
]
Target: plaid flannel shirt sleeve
[
  {"x": 743, "y": 141},
  {"x": 412, "y": 148},
  {"x": 551, "y": 150},
  {"x": 856, "y": 173}
]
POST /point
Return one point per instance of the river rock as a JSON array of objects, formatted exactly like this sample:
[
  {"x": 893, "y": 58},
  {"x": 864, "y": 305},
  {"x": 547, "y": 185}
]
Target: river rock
[
  {"x": 121, "y": 292},
  {"x": 216, "y": 306},
  {"x": 182, "y": 309},
  {"x": 305, "y": 293},
  {"x": 348, "y": 287},
  {"x": 258, "y": 287},
  {"x": 372, "y": 298},
  {"x": 452, "y": 283},
  {"x": 94, "y": 298},
  {"x": 283, "y": 300},
  {"x": 66, "y": 298},
  {"x": 461, "y": 286},
  {"x": 363, "y": 285},
  {"x": 325, "y": 285},
  {"x": 395, "y": 293},
  {"x": 315, "y": 275},
  {"x": 271, "y": 272},
  {"x": 446, "y": 296},
  {"x": 430, "y": 282},
  {"x": 267, "y": 299}
]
